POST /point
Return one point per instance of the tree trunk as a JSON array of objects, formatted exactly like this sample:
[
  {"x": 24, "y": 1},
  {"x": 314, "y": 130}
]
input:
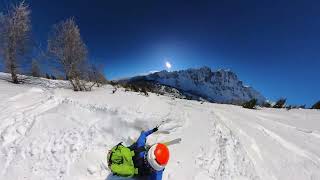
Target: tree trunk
[
  {"x": 79, "y": 84},
  {"x": 14, "y": 78},
  {"x": 13, "y": 73},
  {"x": 75, "y": 88}
]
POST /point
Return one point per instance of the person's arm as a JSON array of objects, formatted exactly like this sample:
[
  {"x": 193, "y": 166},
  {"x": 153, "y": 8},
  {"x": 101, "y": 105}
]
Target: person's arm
[
  {"x": 147, "y": 133},
  {"x": 156, "y": 175},
  {"x": 143, "y": 137}
]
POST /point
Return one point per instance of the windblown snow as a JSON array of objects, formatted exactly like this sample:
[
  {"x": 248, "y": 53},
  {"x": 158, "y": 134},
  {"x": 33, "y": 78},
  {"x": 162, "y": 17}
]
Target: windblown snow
[{"x": 50, "y": 132}]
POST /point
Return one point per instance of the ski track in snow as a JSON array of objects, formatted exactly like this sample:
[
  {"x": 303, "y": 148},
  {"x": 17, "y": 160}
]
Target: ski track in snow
[
  {"x": 225, "y": 159},
  {"x": 54, "y": 152},
  {"x": 15, "y": 130},
  {"x": 50, "y": 133},
  {"x": 287, "y": 149}
]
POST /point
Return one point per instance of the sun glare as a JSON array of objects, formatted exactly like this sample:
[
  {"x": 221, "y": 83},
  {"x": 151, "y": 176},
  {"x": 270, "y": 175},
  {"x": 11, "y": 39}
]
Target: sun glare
[{"x": 168, "y": 65}]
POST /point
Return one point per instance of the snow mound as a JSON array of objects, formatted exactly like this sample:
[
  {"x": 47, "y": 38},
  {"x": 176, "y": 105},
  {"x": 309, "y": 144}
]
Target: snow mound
[{"x": 50, "y": 132}]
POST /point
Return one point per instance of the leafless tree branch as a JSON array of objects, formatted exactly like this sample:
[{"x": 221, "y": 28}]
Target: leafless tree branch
[
  {"x": 67, "y": 47},
  {"x": 15, "y": 28}
]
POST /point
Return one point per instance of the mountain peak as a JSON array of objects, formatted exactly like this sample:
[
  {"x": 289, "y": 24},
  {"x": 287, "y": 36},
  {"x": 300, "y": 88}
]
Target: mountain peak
[{"x": 222, "y": 85}]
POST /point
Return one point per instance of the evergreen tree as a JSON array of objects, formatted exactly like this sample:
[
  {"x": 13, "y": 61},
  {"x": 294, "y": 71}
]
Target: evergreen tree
[
  {"x": 316, "y": 105},
  {"x": 266, "y": 104},
  {"x": 280, "y": 103},
  {"x": 302, "y": 106},
  {"x": 289, "y": 107},
  {"x": 250, "y": 104},
  {"x": 48, "y": 76}
]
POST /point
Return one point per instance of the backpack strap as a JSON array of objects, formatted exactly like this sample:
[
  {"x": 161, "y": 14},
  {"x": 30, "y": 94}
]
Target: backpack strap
[
  {"x": 136, "y": 149},
  {"x": 110, "y": 153},
  {"x": 139, "y": 150},
  {"x": 120, "y": 143},
  {"x": 141, "y": 163}
]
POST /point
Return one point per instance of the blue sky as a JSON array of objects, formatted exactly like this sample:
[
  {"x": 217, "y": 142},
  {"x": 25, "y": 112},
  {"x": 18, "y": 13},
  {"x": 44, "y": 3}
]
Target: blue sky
[{"x": 273, "y": 45}]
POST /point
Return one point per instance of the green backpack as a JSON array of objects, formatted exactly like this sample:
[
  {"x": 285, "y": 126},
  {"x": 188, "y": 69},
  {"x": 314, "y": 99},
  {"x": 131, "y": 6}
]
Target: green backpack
[{"x": 120, "y": 161}]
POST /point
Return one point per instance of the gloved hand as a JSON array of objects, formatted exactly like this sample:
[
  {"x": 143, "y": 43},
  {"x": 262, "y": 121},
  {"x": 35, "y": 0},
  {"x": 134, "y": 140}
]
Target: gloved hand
[{"x": 155, "y": 129}]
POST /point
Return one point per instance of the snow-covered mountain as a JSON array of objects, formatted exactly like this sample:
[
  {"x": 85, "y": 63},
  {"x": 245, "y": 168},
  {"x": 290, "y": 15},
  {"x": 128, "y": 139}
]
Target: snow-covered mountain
[
  {"x": 222, "y": 86},
  {"x": 48, "y": 131}
]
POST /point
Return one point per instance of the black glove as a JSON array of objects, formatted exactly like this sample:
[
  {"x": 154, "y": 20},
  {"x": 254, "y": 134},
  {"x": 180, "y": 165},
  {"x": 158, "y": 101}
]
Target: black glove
[{"x": 155, "y": 129}]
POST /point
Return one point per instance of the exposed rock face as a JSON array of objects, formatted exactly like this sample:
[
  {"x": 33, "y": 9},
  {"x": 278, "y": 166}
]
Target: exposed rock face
[{"x": 221, "y": 86}]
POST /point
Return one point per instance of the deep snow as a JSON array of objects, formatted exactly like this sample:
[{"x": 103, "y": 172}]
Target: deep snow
[{"x": 49, "y": 132}]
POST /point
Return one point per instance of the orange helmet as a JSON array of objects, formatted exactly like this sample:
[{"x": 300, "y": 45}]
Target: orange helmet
[{"x": 158, "y": 156}]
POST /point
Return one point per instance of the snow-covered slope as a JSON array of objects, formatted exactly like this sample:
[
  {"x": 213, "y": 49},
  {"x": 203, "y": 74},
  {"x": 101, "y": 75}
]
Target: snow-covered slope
[
  {"x": 48, "y": 132},
  {"x": 222, "y": 86}
]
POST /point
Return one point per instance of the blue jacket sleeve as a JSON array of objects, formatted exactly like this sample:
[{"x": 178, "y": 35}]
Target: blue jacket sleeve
[
  {"x": 147, "y": 133},
  {"x": 156, "y": 175},
  {"x": 143, "y": 138}
]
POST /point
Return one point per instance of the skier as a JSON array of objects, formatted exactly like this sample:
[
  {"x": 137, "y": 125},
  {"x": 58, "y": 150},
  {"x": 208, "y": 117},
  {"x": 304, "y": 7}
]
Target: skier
[{"x": 139, "y": 160}]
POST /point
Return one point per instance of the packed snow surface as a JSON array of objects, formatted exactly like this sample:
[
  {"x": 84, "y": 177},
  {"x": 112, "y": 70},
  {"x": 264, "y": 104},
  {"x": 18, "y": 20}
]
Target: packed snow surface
[{"x": 50, "y": 132}]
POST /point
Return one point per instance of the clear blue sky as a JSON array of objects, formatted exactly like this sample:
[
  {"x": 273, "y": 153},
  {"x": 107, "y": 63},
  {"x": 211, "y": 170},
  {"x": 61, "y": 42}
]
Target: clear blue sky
[{"x": 273, "y": 45}]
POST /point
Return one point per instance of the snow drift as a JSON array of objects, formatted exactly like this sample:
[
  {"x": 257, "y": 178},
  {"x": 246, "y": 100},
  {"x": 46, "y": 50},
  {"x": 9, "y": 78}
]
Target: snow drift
[{"x": 50, "y": 132}]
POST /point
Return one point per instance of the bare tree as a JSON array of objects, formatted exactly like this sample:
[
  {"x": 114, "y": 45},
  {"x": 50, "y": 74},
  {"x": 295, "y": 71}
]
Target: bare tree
[
  {"x": 15, "y": 28},
  {"x": 96, "y": 75},
  {"x": 2, "y": 30},
  {"x": 67, "y": 47},
  {"x": 35, "y": 69}
]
